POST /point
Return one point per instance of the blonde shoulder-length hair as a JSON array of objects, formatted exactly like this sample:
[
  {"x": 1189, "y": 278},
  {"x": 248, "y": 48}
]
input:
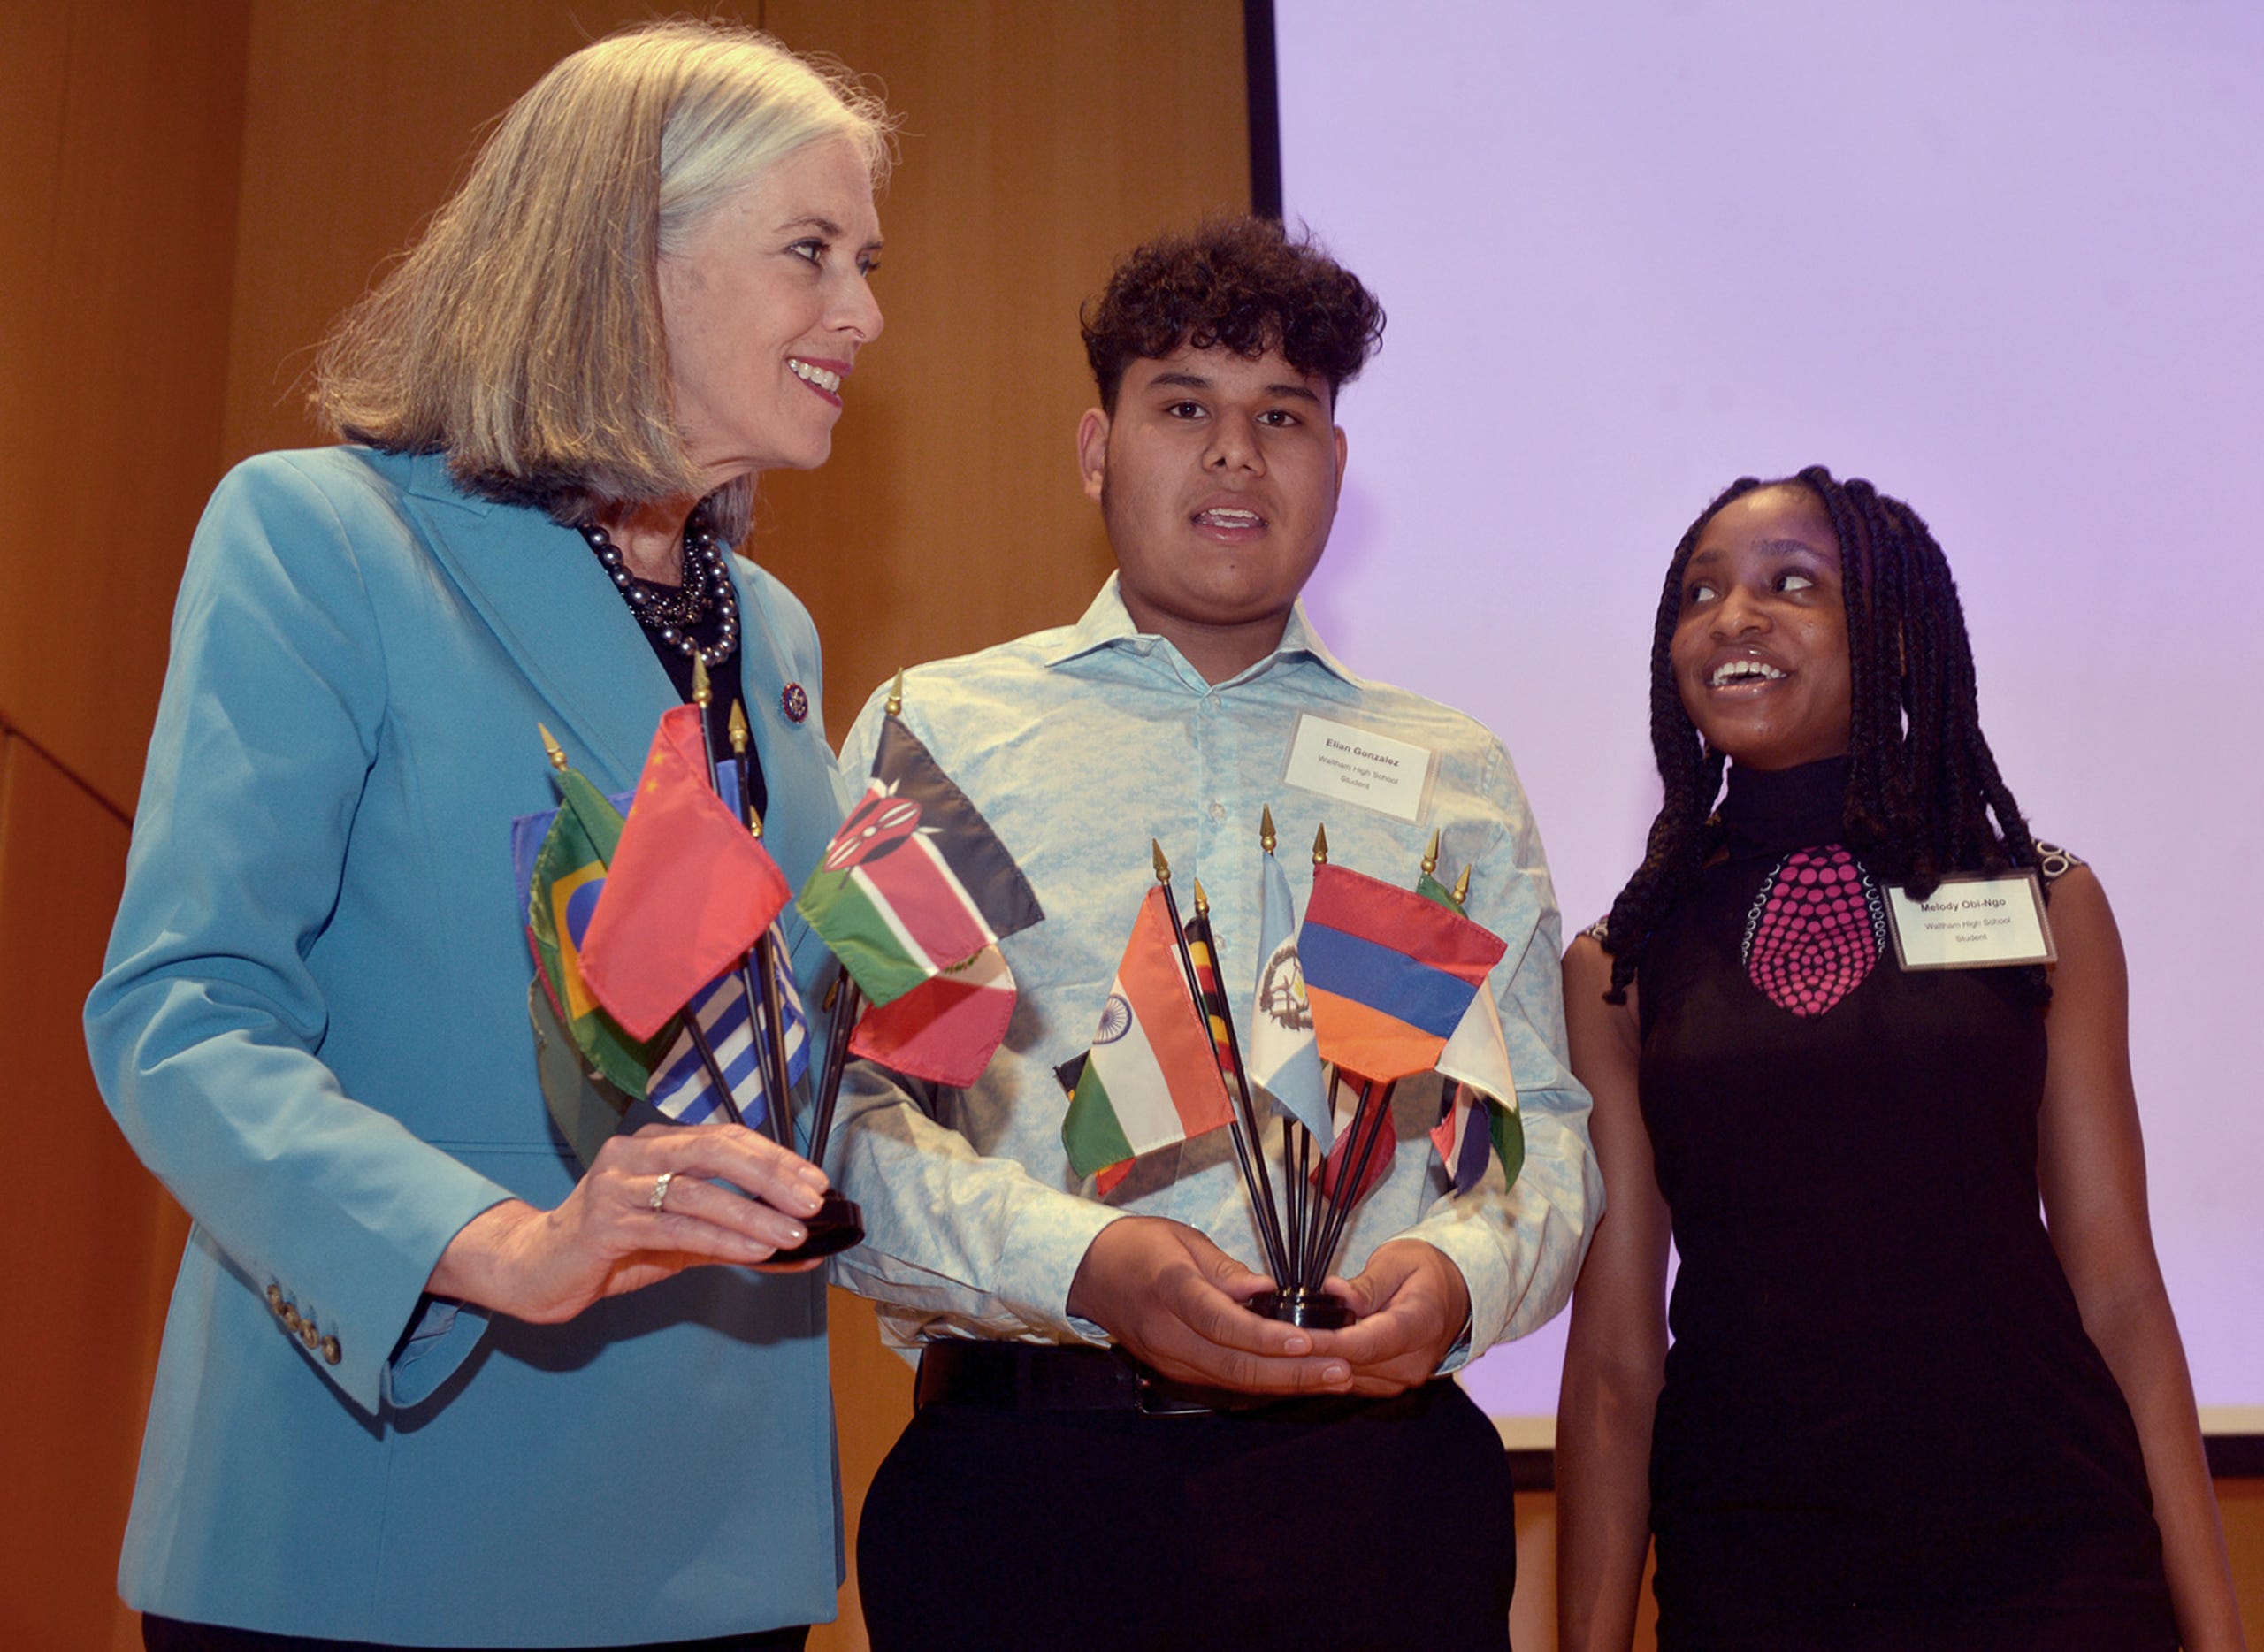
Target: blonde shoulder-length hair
[{"x": 522, "y": 334}]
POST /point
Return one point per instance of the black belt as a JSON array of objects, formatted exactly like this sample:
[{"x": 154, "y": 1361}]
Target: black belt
[{"x": 1042, "y": 1377}]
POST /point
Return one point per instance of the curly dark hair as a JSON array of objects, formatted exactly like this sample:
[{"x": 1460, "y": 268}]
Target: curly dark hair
[
  {"x": 1242, "y": 282},
  {"x": 1922, "y": 782}
]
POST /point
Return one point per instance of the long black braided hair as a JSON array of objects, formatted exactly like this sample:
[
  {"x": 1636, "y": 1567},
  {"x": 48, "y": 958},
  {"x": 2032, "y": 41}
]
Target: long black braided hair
[{"x": 1922, "y": 784}]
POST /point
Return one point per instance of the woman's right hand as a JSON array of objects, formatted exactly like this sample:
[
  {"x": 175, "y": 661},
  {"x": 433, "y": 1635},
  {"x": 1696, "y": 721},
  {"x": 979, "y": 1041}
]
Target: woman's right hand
[{"x": 608, "y": 1236}]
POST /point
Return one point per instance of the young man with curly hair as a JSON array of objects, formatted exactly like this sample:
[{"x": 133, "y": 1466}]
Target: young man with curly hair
[{"x": 1111, "y": 1450}]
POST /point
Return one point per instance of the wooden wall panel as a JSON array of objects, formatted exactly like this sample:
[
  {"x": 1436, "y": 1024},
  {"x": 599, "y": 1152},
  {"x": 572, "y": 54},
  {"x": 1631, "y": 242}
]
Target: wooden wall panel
[
  {"x": 117, "y": 216},
  {"x": 91, "y": 1237},
  {"x": 120, "y": 121},
  {"x": 1039, "y": 143},
  {"x": 359, "y": 121}
]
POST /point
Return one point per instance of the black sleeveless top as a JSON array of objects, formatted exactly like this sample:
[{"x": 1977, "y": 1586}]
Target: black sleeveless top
[{"x": 1883, "y": 1422}]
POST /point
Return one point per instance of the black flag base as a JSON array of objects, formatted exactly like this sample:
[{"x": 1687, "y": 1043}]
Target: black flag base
[
  {"x": 1312, "y": 1310},
  {"x": 838, "y": 1225}
]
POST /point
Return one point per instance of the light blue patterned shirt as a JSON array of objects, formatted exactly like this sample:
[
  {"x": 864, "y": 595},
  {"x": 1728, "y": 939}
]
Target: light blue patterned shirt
[{"x": 1079, "y": 745}]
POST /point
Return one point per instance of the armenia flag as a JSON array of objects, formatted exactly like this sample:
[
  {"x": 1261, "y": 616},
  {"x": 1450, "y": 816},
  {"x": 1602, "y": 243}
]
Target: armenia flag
[
  {"x": 567, "y": 874},
  {"x": 1389, "y": 974},
  {"x": 1153, "y": 1078},
  {"x": 915, "y": 882}
]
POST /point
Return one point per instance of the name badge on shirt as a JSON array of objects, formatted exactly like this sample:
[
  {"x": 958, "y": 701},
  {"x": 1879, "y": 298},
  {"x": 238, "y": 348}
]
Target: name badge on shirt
[
  {"x": 1972, "y": 920},
  {"x": 1359, "y": 766}
]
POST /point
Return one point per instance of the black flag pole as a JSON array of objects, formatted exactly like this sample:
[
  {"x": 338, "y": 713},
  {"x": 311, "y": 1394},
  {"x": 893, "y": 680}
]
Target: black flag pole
[
  {"x": 1268, "y": 1212},
  {"x": 703, "y": 695},
  {"x": 1268, "y": 1237},
  {"x": 1348, "y": 1188},
  {"x": 840, "y": 1223},
  {"x": 764, "y": 999},
  {"x": 845, "y": 1001},
  {"x": 1294, "y": 1138}
]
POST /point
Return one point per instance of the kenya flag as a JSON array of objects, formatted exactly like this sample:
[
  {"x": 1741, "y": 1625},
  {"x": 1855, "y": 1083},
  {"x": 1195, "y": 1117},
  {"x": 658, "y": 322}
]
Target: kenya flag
[{"x": 916, "y": 883}]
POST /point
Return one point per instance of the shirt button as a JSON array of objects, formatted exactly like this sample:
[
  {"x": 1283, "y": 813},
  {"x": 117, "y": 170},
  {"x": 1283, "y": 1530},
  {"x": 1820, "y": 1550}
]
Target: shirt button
[{"x": 1218, "y": 811}]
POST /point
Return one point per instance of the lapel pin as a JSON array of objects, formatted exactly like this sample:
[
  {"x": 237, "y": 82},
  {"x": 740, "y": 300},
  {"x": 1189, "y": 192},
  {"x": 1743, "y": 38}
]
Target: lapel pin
[{"x": 794, "y": 700}]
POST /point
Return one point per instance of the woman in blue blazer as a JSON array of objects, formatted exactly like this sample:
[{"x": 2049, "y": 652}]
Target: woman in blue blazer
[{"x": 421, "y": 1384}]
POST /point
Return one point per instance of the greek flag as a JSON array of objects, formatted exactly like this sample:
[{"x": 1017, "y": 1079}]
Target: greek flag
[{"x": 680, "y": 1086}]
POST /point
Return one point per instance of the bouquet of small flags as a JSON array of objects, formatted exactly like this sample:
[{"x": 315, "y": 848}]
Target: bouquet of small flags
[
  {"x": 1380, "y": 983},
  {"x": 654, "y": 925}
]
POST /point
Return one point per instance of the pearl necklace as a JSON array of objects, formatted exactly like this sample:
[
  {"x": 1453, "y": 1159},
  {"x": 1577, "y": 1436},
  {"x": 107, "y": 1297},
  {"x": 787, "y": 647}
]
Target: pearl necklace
[{"x": 671, "y": 611}]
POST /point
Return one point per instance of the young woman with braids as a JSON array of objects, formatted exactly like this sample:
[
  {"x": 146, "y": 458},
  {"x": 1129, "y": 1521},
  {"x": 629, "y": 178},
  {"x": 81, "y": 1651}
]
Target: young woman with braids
[{"x": 1900, "y": 1410}]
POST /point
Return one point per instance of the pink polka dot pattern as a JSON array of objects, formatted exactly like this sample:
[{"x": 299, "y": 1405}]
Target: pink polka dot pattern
[{"x": 1813, "y": 935}]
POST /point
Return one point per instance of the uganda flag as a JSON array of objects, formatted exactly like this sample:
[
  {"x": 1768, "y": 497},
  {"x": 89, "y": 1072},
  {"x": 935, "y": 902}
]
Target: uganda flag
[
  {"x": 569, "y": 872},
  {"x": 915, "y": 882},
  {"x": 1388, "y": 973},
  {"x": 1153, "y": 1078}
]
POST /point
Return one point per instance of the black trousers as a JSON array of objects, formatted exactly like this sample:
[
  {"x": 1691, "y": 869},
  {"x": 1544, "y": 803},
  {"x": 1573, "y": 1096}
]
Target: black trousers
[
  {"x": 1327, "y": 1525},
  {"x": 170, "y": 1635}
]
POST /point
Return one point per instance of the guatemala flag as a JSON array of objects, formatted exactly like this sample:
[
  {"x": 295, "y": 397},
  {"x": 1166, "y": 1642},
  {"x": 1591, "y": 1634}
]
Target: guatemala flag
[{"x": 1284, "y": 1057}]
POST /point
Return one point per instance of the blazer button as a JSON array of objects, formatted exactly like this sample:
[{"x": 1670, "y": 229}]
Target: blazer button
[
  {"x": 330, "y": 1351},
  {"x": 307, "y": 1334},
  {"x": 291, "y": 1319},
  {"x": 275, "y": 1299}
]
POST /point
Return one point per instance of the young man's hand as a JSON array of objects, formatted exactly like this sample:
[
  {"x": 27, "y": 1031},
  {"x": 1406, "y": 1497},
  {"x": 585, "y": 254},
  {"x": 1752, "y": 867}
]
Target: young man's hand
[
  {"x": 1411, "y": 1305},
  {"x": 1174, "y": 1300}
]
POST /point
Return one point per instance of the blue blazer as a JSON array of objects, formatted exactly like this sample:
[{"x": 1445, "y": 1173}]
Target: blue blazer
[{"x": 313, "y": 1027}]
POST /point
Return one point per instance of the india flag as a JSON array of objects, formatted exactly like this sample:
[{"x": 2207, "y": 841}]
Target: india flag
[{"x": 1153, "y": 1078}]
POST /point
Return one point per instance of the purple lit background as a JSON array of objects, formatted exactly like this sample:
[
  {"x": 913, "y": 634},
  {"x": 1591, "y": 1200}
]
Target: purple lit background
[{"x": 2005, "y": 258}]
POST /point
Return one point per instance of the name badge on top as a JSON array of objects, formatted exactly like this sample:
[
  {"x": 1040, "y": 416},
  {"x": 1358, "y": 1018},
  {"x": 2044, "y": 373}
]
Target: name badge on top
[
  {"x": 1359, "y": 766},
  {"x": 1972, "y": 921}
]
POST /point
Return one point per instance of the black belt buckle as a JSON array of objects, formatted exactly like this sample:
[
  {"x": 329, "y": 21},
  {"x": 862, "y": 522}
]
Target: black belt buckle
[{"x": 1160, "y": 1398}]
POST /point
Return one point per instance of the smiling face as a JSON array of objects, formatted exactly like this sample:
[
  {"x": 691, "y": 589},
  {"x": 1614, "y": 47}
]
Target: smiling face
[
  {"x": 1760, "y": 648},
  {"x": 1216, "y": 476},
  {"x": 765, "y": 308}
]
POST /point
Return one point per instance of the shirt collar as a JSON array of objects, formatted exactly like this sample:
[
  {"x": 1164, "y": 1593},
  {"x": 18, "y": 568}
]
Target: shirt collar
[{"x": 1108, "y": 625}]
